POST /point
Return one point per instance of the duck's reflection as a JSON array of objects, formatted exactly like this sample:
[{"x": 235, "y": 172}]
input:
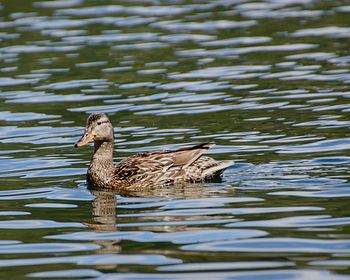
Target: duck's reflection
[
  {"x": 104, "y": 206},
  {"x": 104, "y": 211},
  {"x": 105, "y": 219}
]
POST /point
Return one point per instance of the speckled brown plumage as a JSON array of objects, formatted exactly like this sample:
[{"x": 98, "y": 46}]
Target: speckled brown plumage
[{"x": 147, "y": 169}]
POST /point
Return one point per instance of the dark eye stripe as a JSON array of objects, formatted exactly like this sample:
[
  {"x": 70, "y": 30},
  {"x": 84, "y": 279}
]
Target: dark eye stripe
[{"x": 102, "y": 122}]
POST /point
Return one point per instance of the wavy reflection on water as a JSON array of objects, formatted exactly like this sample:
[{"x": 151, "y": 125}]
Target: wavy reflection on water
[{"x": 267, "y": 81}]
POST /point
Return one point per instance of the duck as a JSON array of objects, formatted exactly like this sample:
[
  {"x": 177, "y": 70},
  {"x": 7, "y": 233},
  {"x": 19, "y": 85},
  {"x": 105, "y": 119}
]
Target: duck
[{"x": 146, "y": 169}]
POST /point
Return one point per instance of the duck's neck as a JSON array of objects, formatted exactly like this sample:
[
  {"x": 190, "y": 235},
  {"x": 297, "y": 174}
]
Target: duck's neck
[
  {"x": 103, "y": 153},
  {"x": 101, "y": 166}
]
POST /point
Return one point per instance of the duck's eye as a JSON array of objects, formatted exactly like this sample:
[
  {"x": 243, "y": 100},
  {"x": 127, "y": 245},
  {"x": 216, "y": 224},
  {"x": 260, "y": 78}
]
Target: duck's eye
[{"x": 98, "y": 123}]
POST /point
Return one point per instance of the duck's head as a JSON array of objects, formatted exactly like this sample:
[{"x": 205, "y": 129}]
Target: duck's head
[{"x": 98, "y": 128}]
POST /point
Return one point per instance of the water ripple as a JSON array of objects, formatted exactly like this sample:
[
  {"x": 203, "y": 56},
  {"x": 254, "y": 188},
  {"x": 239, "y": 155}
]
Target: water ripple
[
  {"x": 46, "y": 248},
  {"x": 319, "y": 146},
  {"x": 224, "y": 266},
  {"x": 266, "y": 81},
  {"x": 36, "y": 224},
  {"x": 179, "y": 237},
  {"x": 289, "y": 245},
  {"x": 96, "y": 259},
  {"x": 297, "y": 221},
  {"x": 233, "y": 211},
  {"x": 262, "y": 274}
]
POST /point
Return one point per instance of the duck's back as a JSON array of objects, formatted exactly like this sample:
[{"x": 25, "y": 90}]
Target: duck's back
[{"x": 168, "y": 167}]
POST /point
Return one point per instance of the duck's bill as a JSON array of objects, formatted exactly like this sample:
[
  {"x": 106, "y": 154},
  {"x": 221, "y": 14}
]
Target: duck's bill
[{"x": 84, "y": 140}]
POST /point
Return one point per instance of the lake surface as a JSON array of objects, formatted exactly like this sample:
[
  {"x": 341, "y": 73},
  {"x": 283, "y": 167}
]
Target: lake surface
[{"x": 267, "y": 81}]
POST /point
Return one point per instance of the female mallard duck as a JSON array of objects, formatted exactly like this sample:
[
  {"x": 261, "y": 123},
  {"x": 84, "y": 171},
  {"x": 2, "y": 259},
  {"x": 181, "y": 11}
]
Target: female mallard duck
[{"x": 144, "y": 169}]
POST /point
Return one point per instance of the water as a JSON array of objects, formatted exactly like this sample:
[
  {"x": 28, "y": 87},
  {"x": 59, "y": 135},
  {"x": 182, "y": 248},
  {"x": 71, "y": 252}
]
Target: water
[{"x": 267, "y": 81}]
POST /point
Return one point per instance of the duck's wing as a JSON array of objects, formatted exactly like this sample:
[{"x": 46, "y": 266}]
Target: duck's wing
[
  {"x": 186, "y": 156},
  {"x": 153, "y": 165}
]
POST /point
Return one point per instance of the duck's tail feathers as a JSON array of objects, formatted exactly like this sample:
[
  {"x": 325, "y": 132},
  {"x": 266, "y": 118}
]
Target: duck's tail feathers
[{"x": 217, "y": 169}]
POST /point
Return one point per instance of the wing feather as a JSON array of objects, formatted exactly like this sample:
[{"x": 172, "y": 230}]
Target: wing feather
[{"x": 159, "y": 166}]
